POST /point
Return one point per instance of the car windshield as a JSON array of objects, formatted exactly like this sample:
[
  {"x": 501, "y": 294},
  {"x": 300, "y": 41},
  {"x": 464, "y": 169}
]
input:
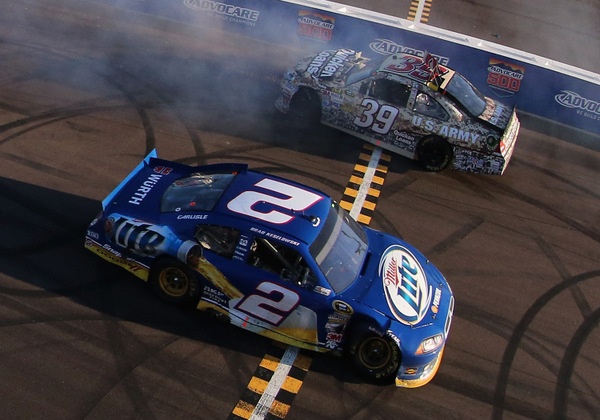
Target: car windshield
[
  {"x": 197, "y": 192},
  {"x": 340, "y": 248},
  {"x": 466, "y": 94}
]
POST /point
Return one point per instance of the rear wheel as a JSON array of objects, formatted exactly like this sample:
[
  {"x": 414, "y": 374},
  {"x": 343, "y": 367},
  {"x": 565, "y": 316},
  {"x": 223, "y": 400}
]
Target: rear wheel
[
  {"x": 173, "y": 281},
  {"x": 374, "y": 357},
  {"x": 305, "y": 107},
  {"x": 434, "y": 153}
]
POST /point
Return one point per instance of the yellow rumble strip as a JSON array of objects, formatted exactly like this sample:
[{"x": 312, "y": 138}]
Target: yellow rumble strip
[
  {"x": 364, "y": 186},
  {"x": 258, "y": 400}
]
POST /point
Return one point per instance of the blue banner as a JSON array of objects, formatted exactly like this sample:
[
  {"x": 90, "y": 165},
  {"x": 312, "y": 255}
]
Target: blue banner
[{"x": 531, "y": 88}]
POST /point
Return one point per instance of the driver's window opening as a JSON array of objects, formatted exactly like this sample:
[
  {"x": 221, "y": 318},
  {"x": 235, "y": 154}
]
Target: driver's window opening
[
  {"x": 281, "y": 260},
  {"x": 218, "y": 239}
]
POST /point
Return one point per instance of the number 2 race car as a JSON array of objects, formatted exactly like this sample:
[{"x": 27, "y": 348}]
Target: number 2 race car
[
  {"x": 406, "y": 104},
  {"x": 279, "y": 259}
]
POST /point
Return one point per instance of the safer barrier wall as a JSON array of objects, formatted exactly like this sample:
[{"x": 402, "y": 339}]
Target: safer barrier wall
[{"x": 534, "y": 84}]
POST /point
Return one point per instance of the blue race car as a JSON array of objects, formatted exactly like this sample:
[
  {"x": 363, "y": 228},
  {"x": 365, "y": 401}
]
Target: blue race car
[{"x": 279, "y": 259}]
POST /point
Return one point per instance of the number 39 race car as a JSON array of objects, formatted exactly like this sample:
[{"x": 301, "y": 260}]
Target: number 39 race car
[
  {"x": 279, "y": 259},
  {"x": 406, "y": 104}
]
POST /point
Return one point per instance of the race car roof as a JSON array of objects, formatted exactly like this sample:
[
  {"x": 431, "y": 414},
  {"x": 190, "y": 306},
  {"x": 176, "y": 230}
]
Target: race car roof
[
  {"x": 269, "y": 203},
  {"x": 415, "y": 68}
]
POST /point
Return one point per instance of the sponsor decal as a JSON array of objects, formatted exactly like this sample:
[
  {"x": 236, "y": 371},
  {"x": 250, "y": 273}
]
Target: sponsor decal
[
  {"x": 405, "y": 285},
  {"x": 411, "y": 371},
  {"x": 93, "y": 235},
  {"x": 241, "y": 248},
  {"x": 435, "y": 305},
  {"x": 214, "y": 296},
  {"x": 141, "y": 193},
  {"x": 394, "y": 337},
  {"x": 322, "y": 290},
  {"x": 327, "y": 63},
  {"x": 386, "y": 47},
  {"x": 504, "y": 78},
  {"x": 404, "y": 139},
  {"x": 584, "y": 106},
  {"x": 335, "y": 326},
  {"x": 461, "y": 136},
  {"x": 315, "y": 25},
  {"x": 342, "y": 307},
  {"x": 229, "y": 12},
  {"x": 274, "y": 236},
  {"x": 192, "y": 217},
  {"x": 110, "y": 254},
  {"x": 163, "y": 170}
]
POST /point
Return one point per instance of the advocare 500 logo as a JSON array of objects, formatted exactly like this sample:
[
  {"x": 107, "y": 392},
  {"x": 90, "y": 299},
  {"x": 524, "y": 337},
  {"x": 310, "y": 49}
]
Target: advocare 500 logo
[{"x": 405, "y": 285}]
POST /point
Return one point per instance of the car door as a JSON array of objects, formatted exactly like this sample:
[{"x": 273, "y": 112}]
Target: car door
[
  {"x": 282, "y": 293},
  {"x": 379, "y": 111},
  {"x": 429, "y": 116}
]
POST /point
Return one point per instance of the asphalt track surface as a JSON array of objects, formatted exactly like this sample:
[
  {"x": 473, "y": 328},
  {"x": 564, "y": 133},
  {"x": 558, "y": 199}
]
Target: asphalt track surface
[{"x": 84, "y": 95}]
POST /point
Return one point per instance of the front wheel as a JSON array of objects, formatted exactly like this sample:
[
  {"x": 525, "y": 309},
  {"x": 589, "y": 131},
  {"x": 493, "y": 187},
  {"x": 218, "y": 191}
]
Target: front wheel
[
  {"x": 374, "y": 357},
  {"x": 173, "y": 281},
  {"x": 434, "y": 153}
]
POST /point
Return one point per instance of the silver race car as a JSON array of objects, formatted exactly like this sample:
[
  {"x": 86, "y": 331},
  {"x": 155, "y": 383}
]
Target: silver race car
[{"x": 406, "y": 104}]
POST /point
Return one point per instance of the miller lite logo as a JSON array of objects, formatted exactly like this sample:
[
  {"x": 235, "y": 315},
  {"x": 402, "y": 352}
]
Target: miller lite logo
[{"x": 404, "y": 284}]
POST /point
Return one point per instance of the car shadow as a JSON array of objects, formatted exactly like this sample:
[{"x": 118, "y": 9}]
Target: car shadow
[{"x": 42, "y": 257}]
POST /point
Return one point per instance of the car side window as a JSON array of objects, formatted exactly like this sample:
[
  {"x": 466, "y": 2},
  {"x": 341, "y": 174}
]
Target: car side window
[
  {"x": 390, "y": 91},
  {"x": 218, "y": 239},
  {"x": 427, "y": 105},
  {"x": 282, "y": 260}
]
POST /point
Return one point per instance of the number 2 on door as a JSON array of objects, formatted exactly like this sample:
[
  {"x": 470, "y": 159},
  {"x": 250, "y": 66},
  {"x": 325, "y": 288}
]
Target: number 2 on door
[{"x": 272, "y": 304}]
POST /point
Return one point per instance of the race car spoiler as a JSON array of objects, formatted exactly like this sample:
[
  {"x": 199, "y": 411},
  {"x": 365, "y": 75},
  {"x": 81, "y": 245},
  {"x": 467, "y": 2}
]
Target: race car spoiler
[
  {"x": 153, "y": 156},
  {"x": 138, "y": 168}
]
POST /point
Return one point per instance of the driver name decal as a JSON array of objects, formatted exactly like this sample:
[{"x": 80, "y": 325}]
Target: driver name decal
[{"x": 404, "y": 284}]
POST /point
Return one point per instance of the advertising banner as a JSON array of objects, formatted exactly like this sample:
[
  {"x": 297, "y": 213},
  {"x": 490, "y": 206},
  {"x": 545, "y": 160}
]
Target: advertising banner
[{"x": 532, "y": 88}]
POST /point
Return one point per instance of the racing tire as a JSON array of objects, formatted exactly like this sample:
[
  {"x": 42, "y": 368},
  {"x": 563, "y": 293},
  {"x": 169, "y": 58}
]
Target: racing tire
[
  {"x": 305, "y": 107},
  {"x": 374, "y": 357},
  {"x": 173, "y": 281},
  {"x": 434, "y": 153}
]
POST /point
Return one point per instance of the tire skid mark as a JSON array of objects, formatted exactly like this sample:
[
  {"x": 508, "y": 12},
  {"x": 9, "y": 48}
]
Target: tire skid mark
[
  {"x": 456, "y": 237},
  {"x": 40, "y": 167},
  {"x": 565, "y": 373},
  {"x": 592, "y": 234},
  {"x": 564, "y": 180},
  {"x": 126, "y": 91},
  {"x": 578, "y": 295},
  {"x": 500, "y": 403},
  {"x": 50, "y": 117}
]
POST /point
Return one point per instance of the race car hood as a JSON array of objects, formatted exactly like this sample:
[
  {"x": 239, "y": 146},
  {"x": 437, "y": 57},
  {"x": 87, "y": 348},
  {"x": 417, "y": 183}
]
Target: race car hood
[
  {"x": 405, "y": 286},
  {"x": 329, "y": 65},
  {"x": 496, "y": 113}
]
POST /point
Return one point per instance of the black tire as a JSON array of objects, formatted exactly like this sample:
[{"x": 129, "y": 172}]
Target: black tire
[
  {"x": 305, "y": 107},
  {"x": 374, "y": 357},
  {"x": 434, "y": 153},
  {"x": 173, "y": 281}
]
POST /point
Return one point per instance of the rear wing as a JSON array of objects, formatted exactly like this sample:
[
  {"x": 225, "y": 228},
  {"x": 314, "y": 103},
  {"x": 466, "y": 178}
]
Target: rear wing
[{"x": 137, "y": 169}]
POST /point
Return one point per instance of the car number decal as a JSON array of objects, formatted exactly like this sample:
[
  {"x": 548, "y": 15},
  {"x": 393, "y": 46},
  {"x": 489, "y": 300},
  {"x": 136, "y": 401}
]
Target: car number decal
[
  {"x": 378, "y": 118},
  {"x": 272, "y": 305},
  {"x": 413, "y": 67},
  {"x": 298, "y": 199}
]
